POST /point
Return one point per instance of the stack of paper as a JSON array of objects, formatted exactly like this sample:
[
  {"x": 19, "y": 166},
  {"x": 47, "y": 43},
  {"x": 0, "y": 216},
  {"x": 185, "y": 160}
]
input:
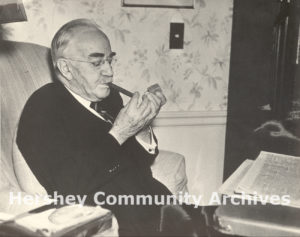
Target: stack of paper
[{"x": 271, "y": 178}]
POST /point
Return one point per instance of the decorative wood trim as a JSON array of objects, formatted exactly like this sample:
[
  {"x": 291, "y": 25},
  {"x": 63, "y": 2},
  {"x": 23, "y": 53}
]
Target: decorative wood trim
[{"x": 190, "y": 118}]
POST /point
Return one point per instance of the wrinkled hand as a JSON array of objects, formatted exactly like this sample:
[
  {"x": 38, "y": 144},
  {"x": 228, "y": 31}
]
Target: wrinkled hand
[
  {"x": 135, "y": 116},
  {"x": 156, "y": 90}
]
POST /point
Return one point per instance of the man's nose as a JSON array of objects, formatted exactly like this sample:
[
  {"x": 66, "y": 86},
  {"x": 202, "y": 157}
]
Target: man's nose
[{"x": 106, "y": 70}]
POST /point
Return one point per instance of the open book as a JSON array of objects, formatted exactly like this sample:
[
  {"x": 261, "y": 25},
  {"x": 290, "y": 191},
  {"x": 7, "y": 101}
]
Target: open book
[{"x": 270, "y": 175}]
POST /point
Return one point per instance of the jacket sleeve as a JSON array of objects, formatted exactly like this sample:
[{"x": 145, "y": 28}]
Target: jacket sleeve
[
  {"x": 132, "y": 146},
  {"x": 58, "y": 162}
]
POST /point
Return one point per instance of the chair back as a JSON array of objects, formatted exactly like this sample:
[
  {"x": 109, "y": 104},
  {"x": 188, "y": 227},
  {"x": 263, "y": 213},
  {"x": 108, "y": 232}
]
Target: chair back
[{"x": 24, "y": 67}]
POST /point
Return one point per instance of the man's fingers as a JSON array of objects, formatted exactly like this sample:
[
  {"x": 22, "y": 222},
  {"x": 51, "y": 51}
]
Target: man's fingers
[
  {"x": 146, "y": 113},
  {"x": 154, "y": 104},
  {"x": 162, "y": 97},
  {"x": 159, "y": 94},
  {"x": 156, "y": 90},
  {"x": 154, "y": 99},
  {"x": 133, "y": 102},
  {"x": 143, "y": 104}
]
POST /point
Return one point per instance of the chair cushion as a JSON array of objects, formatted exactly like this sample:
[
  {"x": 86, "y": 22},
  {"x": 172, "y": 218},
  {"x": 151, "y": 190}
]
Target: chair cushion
[
  {"x": 26, "y": 179},
  {"x": 169, "y": 169}
]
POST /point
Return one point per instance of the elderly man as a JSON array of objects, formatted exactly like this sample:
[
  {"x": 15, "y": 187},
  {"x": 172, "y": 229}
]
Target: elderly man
[{"x": 77, "y": 137}]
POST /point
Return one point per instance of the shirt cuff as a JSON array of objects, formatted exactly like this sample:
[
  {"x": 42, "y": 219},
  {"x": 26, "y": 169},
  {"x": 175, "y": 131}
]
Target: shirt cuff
[{"x": 150, "y": 148}]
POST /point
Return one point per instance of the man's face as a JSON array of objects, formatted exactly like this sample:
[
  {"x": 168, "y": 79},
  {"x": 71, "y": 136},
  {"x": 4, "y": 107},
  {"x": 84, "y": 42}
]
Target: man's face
[{"x": 89, "y": 56}]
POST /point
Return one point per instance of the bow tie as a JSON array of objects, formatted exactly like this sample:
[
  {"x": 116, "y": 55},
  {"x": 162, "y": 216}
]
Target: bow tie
[{"x": 103, "y": 113}]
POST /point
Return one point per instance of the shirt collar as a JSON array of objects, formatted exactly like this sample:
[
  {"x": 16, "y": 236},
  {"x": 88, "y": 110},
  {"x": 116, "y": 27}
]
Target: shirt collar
[
  {"x": 85, "y": 103},
  {"x": 81, "y": 100}
]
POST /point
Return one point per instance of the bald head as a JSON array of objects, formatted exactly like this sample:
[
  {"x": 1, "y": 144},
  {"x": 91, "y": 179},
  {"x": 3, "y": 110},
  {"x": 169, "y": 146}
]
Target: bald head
[{"x": 71, "y": 35}]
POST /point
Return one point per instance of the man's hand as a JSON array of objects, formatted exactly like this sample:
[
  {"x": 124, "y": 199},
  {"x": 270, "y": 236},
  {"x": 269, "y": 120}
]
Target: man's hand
[
  {"x": 276, "y": 129},
  {"x": 134, "y": 117},
  {"x": 156, "y": 90}
]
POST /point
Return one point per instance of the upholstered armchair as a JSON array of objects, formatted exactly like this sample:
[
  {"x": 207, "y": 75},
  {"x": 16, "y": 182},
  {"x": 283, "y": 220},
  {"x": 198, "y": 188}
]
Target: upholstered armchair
[{"x": 24, "y": 67}]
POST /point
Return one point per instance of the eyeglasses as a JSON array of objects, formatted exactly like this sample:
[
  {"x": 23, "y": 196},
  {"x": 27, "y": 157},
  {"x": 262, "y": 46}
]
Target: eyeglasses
[{"x": 111, "y": 60}]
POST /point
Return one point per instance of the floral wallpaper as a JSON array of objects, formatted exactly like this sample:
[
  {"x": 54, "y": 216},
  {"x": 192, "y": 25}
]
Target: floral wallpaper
[{"x": 193, "y": 79}]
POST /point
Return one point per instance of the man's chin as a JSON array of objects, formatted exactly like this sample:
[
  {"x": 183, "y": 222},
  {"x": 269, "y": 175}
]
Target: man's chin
[{"x": 103, "y": 92}]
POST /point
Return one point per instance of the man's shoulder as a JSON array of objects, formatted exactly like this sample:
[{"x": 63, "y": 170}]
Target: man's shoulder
[
  {"x": 45, "y": 96},
  {"x": 47, "y": 90}
]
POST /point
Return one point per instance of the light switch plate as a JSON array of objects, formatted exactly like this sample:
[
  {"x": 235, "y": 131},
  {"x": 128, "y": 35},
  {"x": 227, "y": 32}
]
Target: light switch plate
[{"x": 176, "y": 35}]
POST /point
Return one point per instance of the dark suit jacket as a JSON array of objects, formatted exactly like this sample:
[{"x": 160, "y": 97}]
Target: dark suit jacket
[{"x": 70, "y": 150}]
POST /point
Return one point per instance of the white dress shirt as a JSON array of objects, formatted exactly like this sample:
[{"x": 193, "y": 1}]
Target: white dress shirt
[{"x": 148, "y": 147}]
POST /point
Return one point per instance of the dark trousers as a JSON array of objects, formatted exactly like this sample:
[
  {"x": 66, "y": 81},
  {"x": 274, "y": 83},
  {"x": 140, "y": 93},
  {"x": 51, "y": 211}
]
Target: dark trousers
[{"x": 152, "y": 219}]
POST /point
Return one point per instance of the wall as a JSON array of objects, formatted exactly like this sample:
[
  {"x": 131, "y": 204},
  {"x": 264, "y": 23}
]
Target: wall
[
  {"x": 194, "y": 79},
  {"x": 200, "y": 136}
]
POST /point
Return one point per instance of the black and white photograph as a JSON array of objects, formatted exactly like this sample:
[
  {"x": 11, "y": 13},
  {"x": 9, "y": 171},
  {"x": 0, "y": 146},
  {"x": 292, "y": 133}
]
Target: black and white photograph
[{"x": 150, "y": 118}]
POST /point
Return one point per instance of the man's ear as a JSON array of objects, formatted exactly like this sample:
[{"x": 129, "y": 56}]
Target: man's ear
[{"x": 63, "y": 67}]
